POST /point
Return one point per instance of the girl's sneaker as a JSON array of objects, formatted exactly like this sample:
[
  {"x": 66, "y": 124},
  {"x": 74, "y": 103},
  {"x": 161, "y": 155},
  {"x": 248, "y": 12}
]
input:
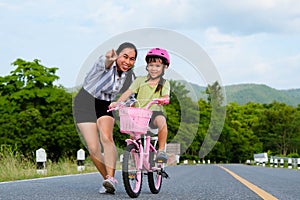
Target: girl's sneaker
[
  {"x": 110, "y": 184},
  {"x": 161, "y": 157}
]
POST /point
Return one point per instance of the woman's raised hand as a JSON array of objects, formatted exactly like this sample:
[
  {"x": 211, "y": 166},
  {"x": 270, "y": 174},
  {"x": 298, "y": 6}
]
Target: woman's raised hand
[{"x": 111, "y": 56}]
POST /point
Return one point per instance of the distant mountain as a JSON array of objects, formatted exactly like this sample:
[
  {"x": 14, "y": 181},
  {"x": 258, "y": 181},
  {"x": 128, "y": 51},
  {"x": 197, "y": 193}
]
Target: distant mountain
[
  {"x": 244, "y": 93},
  {"x": 259, "y": 93}
]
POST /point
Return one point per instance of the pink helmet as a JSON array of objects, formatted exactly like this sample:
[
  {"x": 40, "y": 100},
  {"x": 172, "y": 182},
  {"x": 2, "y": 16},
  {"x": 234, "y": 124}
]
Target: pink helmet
[{"x": 159, "y": 52}]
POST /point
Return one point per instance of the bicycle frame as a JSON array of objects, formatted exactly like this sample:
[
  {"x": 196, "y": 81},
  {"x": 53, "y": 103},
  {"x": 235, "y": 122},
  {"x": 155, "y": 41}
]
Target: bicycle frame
[
  {"x": 142, "y": 161},
  {"x": 141, "y": 152}
]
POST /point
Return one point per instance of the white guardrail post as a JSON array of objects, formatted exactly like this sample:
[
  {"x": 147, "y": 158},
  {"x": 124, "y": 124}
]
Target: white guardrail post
[
  {"x": 275, "y": 162},
  {"x": 121, "y": 158},
  {"x": 271, "y": 162},
  {"x": 80, "y": 160},
  {"x": 290, "y": 163},
  {"x": 298, "y": 163},
  {"x": 281, "y": 162},
  {"x": 41, "y": 158},
  {"x": 177, "y": 159}
]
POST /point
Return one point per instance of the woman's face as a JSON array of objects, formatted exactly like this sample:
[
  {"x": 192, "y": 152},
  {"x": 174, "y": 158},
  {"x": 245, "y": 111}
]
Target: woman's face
[{"x": 126, "y": 59}]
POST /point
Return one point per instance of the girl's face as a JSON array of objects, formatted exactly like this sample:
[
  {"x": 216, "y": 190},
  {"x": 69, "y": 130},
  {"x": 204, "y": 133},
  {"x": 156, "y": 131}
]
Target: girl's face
[
  {"x": 155, "y": 68},
  {"x": 126, "y": 59}
]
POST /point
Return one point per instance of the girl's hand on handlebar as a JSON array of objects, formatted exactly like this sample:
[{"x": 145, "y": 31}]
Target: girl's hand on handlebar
[
  {"x": 113, "y": 105},
  {"x": 162, "y": 101}
]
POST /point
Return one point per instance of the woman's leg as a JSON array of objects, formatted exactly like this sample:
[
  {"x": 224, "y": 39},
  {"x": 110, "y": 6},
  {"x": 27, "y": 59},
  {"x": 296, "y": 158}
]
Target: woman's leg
[
  {"x": 89, "y": 132},
  {"x": 105, "y": 126}
]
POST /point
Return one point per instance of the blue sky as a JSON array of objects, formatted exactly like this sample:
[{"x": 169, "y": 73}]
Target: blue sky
[{"x": 251, "y": 41}]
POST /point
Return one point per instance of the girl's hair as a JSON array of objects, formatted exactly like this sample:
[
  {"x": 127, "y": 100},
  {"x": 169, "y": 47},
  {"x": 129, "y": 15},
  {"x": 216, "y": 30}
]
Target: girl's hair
[
  {"x": 150, "y": 59},
  {"x": 126, "y": 45},
  {"x": 161, "y": 81},
  {"x": 160, "y": 85}
]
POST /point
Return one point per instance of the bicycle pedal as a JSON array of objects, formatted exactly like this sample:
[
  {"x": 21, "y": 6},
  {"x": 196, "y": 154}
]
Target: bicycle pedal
[
  {"x": 161, "y": 161},
  {"x": 132, "y": 177},
  {"x": 165, "y": 175}
]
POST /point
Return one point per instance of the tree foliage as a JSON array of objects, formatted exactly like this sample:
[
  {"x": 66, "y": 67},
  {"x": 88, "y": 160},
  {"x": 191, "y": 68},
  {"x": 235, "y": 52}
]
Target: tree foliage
[{"x": 35, "y": 112}]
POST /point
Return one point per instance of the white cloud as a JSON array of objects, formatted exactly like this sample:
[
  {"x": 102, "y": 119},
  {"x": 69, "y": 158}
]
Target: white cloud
[{"x": 244, "y": 59}]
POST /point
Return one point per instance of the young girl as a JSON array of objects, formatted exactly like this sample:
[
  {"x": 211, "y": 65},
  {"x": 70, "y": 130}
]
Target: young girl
[{"x": 149, "y": 87}]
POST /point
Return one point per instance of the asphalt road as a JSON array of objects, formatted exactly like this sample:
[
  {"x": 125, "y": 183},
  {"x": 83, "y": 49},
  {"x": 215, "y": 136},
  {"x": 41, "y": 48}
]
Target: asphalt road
[{"x": 186, "y": 182}]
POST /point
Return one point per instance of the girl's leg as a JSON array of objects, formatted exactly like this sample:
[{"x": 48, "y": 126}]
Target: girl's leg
[
  {"x": 160, "y": 122},
  {"x": 89, "y": 132},
  {"x": 105, "y": 125}
]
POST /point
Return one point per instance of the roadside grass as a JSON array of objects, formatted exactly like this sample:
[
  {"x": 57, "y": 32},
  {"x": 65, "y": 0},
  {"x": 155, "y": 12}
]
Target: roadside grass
[{"x": 14, "y": 166}]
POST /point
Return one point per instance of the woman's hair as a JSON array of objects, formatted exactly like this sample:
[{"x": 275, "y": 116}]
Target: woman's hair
[{"x": 126, "y": 45}]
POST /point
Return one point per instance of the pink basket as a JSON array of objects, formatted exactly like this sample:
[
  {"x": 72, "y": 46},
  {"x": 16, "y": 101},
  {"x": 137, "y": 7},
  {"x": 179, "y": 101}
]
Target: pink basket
[{"x": 134, "y": 119}]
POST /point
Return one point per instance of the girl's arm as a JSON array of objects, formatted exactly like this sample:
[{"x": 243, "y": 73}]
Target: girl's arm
[{"x": 122, "y": 98}]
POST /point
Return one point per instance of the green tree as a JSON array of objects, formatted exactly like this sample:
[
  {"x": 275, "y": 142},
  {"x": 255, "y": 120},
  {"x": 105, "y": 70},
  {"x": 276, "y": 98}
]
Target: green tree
[
  {"x": 279, "y": 128},
  {"x": 218, "y": 111},
  {"x": 35, "y": 112},
  {"x": 182, "y": 118},
  {"x": 238, "y": 138}
]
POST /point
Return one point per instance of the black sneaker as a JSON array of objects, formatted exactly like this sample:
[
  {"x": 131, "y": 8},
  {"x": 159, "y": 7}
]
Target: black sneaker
[{"x": 161, "y": 157}]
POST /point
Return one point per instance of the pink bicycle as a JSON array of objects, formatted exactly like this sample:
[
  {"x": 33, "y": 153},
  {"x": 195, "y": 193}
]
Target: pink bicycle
[{"x": 140, "y": 153}]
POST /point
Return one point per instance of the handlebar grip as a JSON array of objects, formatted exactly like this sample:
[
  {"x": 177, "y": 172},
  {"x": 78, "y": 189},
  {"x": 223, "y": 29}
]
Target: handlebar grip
[
  {"x": 162, "y": 101},
  {"x": 111, "y": 109},
  {"x": 166, "y": 101},
  {"x": 119, "y": 105}
]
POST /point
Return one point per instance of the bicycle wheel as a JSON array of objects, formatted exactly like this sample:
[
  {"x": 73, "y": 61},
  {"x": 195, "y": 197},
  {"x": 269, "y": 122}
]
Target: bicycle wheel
[
  {"x": 154, "y": 177},
  {"x": 132, "y": 177}
]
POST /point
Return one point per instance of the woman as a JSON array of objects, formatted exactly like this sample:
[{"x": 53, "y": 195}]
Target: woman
[{"x": 105, "y": 80}]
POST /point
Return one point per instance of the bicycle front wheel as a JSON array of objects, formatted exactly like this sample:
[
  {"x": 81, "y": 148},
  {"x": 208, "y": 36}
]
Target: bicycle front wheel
[
  {"x": 155, "y": 176},
  {"x": 132, "y": 176}
]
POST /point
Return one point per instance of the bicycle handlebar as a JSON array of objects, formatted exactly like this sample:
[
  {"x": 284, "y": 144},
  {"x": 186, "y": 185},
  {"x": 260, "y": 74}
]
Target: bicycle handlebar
[{"x": 160, "y": 101}]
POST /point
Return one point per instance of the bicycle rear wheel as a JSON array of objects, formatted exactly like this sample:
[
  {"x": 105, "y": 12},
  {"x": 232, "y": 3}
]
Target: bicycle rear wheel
[
  {"x": 132, "y": 177},
  {"x": 154, "y": 177}
]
